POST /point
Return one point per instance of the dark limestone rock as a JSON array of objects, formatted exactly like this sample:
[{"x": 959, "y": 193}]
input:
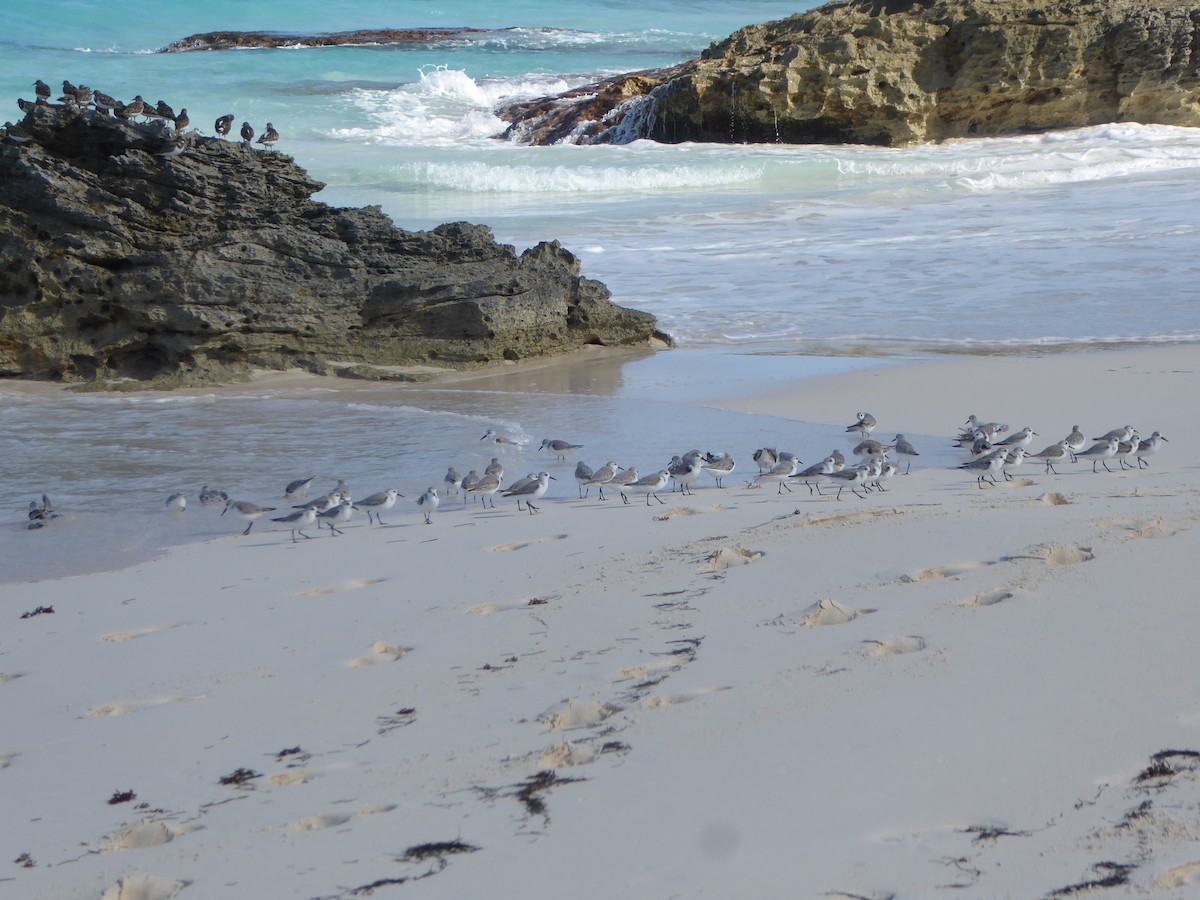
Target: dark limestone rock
[
  {"x": 898, "y": 72},
  {"x": 117, "y": 262},
  {"x": 245, "y": 40}
]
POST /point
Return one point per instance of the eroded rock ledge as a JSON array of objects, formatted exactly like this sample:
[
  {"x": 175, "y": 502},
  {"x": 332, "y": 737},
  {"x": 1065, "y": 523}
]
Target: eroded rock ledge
[
  {"x": 116, "y": 262},
  {"x": 898, "y": 72}
]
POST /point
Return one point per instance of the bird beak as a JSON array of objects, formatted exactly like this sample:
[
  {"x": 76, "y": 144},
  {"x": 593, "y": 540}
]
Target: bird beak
[{"x": 552, "y": 478}]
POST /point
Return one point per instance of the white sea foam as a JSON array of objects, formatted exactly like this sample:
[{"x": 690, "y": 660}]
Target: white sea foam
[{"x": 564, "y": 179}]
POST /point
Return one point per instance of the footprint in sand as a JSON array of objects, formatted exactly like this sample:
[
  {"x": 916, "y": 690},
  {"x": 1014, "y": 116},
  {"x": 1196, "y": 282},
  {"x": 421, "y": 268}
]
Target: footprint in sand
[
  {"x": 729, "y": 558},
  {"x": 1155, "y": 529},
  {"x": 949, "y": 571},
  {"x": 895, "y": 646},
  {"x": 147, "y": 833},
  {"x": 660, "y": 700},
  {"x": 144, "y": 887},
  {"x": 1065, "y": 554},
  {"x": 379, "y": 652},
  {"x": 319, "y": 823},
  {"x": 521, "y": 545},
  {"x": 824, "y": 612},
  {"x": 499, "y": 606},
  {"x": 576, "y": 714},
  {"x": 567, "y": 754},
  {"x": 352, "y": 584},
  {"x": 122, "y": 709},
  {"x": 118, "y": 636},
  {"x": 1179, "y": 876},
  {"x": 988, "y": 598},
  {"x": 1054, "y": 498},
  {"x": 290, "y": 777}
]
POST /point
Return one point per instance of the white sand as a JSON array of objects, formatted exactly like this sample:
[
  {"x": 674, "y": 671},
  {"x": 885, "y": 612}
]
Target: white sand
[{"x": 938, "y": 691}]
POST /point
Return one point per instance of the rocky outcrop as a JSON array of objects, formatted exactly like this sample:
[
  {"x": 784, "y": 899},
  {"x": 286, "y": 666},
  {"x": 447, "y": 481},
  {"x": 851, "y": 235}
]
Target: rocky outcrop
[
  {"x": 897, "y": 72},
  {"x": 119, "y": 261},
  {"x": 246, "y": 40}
]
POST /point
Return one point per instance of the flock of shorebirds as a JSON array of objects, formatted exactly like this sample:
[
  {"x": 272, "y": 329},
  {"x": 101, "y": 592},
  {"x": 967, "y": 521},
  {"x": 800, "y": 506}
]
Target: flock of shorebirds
[
  {"x": 83, "y": 97},
  {"x": 991, "y": 452}
]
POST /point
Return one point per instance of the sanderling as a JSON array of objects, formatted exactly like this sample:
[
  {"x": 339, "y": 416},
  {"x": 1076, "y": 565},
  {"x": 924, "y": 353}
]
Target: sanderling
[
  {"x": 986, "y": 466},
  {"x": 244, "y": 509},
  {"x": 429, "y": 501},
  {"x": 852, "y": 478},
  {"x": 452, "y": 482},
  {"x": 1055, "y": 453},
  {"x": 531, "y": 491},
  {"x": 870, "y": 448},
  {"x": 495, "y": 467},
  {"x": 904, "y": 448},
  {"x": 1126, "y": 450},
  {"x": 1149, "y": 447},
  {"x": 651, "y": 485},
  {"x": 298, "y": 521},
  {"x": 298, "y": 489},
  {"x": 864, "y": 426},
  {"x": 781, "y": 472},
  {"x": 497, "y": 438},
  {"x": 1100, "y": 452},
  {"x": 1022, "y": 439},
  {"x": 323, "y": 503},
  {"x": 176, "y": 503},
  {"x": 211, "y": 498},
  {"x": 603, "y": 476},
  {"x": 687, "y": 472},
  {"x": 766, "y": 457},
  {"x": 1012, "y": 458},
  {"x": 560, "y": 448},
  {"x": 486, "y": 488},
  {"x": 40, "y": 513},
  {"x": 813, "y": 474},
  {"x": 380, "y": 503},
  {"x": 520, "y": 483},
  {"x": 338, "y": 515},
  {"x": 583, "y": 474},
  {"x": 839, "y": 459},
  {"x": 1075, "y": 441},
  {"x": 622, "y": 480},
  {"x": 886, "y": 470},
  {"x": 718, "y": 465},
  {"x": 1121, "y": 434},
  {"x": 468, "y": 482}
]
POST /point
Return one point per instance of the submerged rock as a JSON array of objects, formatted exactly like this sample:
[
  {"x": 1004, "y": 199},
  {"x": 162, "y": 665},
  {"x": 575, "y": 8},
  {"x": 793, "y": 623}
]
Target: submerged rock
[
  {"x": 119, "y": 262},
  {"x": 243, "y": 40},
  {"x": 897, "y": 72}
]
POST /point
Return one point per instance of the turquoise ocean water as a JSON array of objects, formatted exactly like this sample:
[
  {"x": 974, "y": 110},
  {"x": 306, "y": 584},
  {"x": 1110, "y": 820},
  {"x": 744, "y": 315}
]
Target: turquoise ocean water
[{"x": 1075, "y": 239}]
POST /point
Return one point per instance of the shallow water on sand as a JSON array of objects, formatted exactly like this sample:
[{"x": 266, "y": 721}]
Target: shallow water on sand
[{"x": 109, "y": 462}]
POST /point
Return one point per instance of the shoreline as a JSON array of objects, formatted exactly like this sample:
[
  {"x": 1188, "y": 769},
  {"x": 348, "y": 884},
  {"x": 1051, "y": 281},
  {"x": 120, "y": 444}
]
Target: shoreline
[{"x": 735, "y": 693}]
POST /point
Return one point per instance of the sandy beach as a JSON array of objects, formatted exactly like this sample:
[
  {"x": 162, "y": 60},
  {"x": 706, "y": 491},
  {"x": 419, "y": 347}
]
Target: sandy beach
[{"x": 944, "y": 689}]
